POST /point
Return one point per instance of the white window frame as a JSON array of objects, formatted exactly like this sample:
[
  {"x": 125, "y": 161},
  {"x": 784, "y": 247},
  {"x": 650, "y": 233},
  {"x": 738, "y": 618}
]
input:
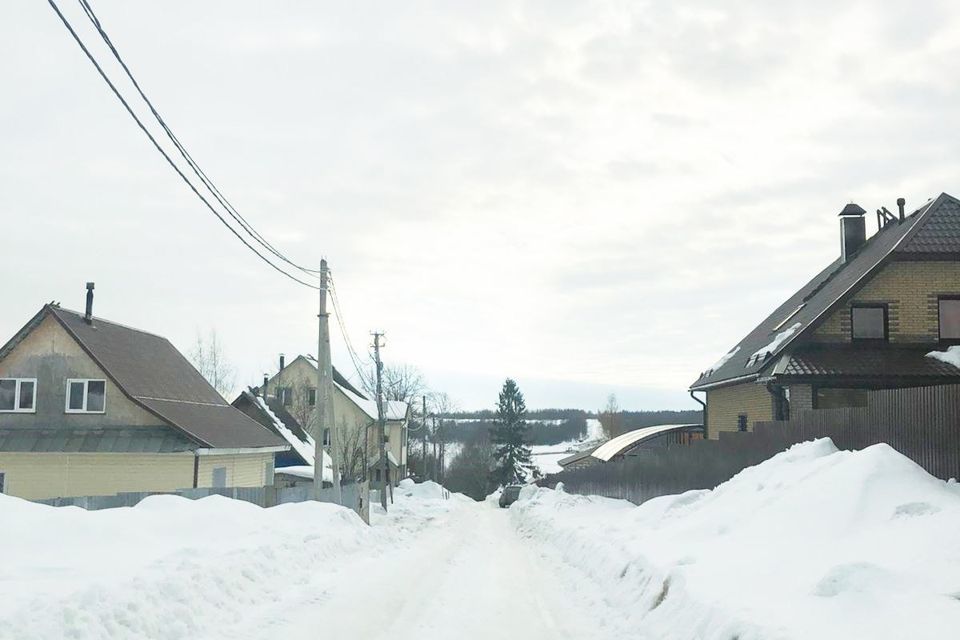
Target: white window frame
[
  {"x": 16, "y": 396},
  {"x": 86, "y": 383}
]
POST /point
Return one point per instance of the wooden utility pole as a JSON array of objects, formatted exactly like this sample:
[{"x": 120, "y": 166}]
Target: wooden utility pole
[
  {"x": 384, "y": 467},
  {"x": 423, "y": 436},
  {"x": 436, "y": 454},
  {"x": 324, "y": 418}
]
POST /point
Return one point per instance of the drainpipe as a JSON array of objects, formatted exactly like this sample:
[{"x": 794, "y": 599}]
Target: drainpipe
[
  {"x": 196, "y": 468},
  {"x": 704, "y": 405},
  {"x": 779, "y": 401}
]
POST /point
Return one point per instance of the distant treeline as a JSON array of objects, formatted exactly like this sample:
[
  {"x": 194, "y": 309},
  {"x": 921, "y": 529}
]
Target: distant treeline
[
  {"x": 474, "y": 425},
  {"x": 539, "y": 414},
  {"x": 573, "y": 427}
]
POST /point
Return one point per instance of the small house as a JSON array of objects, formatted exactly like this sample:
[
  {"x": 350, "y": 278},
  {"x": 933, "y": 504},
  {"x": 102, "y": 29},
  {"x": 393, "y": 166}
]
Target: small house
[{"x": 90, "y": 407}]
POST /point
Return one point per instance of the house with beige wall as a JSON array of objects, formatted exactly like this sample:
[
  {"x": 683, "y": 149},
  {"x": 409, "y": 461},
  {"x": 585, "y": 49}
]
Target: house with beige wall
[
  {"x": 292, "y": 392},
  {"x": 90, "y": 407},
  {"x": 880, "y": 316}
]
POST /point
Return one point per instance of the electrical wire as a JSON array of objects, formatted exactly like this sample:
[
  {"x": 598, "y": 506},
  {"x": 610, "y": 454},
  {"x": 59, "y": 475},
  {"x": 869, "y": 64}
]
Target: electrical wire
[
  {"x": 194, "y": 166},
  {"x": 126, "y": 105},
  {"x": 365, "y": 379}
]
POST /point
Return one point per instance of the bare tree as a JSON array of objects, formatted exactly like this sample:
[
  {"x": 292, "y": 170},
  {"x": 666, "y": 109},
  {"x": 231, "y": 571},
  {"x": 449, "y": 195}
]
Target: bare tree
[
  {"x": 207, "y": 356},
  {"x": 610, "y": 419},
  {"x": 303, "y": 400},
  {"x": 403, "y": 383},
  {"x": 470, "y": 469},
  {"x": 350, "y": 453},
  {"x": 442, "y": 405}
]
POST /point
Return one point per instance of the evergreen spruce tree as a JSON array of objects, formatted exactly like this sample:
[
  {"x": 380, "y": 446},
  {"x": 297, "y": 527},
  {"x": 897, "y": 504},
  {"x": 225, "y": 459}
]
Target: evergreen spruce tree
[{"x": 509, "y": 438}]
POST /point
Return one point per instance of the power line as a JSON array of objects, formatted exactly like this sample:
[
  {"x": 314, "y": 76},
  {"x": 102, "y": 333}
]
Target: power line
[
  {"x": 354, "y": 358},
  {"x": 166, "y": 157},
  {"x": 208, "y": 183}
]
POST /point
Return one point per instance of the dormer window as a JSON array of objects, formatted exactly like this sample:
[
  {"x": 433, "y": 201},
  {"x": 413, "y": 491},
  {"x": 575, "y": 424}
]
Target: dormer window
[
  {"x": 18, "y": 395},
  {"x": 868, "y": 322},
  {"x": 86, "y": 396}
]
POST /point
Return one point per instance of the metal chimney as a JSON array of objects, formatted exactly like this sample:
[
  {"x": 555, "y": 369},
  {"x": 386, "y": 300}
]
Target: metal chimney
[
  {"x": 88, "y": 314},
  {"x": 266, "y": 379},
  {"x": 853, "y": 231},
  {"x": 901, "y": 203},
  {"x": 282, "y": 362}
]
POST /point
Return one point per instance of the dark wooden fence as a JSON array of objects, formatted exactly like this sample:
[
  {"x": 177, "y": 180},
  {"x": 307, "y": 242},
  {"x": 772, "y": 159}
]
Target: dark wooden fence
[{"x": 922, "y": 423}]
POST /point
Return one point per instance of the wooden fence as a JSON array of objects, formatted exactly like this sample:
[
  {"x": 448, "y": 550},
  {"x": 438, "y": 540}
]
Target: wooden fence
[{"x": 922, "y": 423}]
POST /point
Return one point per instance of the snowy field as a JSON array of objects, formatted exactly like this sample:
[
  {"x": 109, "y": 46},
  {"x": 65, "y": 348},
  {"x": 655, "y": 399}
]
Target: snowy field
[{"x": 813, "y": 543}]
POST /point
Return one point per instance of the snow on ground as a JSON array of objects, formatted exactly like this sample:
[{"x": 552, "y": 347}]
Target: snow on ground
[
  {"x": 175, "y": 568},
  {"x": 813, "y": 543}
]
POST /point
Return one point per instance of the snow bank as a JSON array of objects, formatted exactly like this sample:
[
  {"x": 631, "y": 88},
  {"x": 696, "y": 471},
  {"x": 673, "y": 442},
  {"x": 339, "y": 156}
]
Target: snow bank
[
  {"x": 813, "y": 543},
  {"x": 172, "y": 568}
]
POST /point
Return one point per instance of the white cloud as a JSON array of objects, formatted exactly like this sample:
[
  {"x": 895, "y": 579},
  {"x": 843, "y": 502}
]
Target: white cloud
[{"x": 599, "y": 192}]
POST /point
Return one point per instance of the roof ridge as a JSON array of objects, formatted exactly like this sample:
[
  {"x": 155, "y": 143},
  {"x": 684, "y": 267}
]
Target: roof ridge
[{"x": 105, "y": 321}]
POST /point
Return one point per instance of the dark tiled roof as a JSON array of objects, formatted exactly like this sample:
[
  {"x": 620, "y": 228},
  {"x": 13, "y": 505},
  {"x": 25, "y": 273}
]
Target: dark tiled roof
[
  {"x": 102, "y": 440},
  {"x": 939, "y": 234},
  {"x": 865, "y": 361},
  {"x": 155, "y": 375},
  {"x": 828, "y": 288}
]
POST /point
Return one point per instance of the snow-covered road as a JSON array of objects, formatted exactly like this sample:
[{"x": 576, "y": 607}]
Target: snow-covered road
[
  {"x": 813, "y": 543},
  {"x": 468, "y": 575}
]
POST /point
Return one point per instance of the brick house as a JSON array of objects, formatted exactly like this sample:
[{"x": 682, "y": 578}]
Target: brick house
[{"x": 867, "y": 321}]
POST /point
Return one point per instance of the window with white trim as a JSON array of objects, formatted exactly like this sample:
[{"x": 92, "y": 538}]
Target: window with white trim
[
  {"x": 86, "y": 396},
  {"x": 18, "y": 395}
]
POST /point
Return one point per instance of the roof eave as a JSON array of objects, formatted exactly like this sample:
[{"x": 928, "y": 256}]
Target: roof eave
[{"x": 727, "y": 382}]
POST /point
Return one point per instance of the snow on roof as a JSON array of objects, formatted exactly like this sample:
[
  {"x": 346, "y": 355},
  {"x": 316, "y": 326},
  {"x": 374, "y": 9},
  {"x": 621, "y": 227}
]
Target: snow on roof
[
  {"x": 621, "y": 443},
  {"x": 950, "y": 356},
  {"x": 722, "y": 361},
  {"x": 306, "y": 470},
  {"x": 760, "y": 354},
  {"x": 394, "y": 410},
  {"x": 305, "y": 449}
]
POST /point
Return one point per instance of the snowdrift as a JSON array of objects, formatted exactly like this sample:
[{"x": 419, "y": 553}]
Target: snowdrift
[
  {"x": 813, "y": 543},
  {"x": 172, "y": 568}
]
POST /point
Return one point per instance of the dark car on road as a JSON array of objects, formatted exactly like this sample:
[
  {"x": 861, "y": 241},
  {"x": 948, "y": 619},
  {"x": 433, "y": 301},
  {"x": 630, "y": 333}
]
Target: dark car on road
[{"x": 509, "y": 495}]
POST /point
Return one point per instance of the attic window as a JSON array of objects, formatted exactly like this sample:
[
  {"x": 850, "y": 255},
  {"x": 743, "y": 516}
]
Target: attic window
[
  {"x": 18, "y": 395},
  {"x": 86, "y": 396},
  {"x": 787, "y": 319},
  {"x": 868, "y": 322}
]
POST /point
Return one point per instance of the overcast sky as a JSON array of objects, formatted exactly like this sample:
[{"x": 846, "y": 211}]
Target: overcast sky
[{"x": 586, "y": 196}]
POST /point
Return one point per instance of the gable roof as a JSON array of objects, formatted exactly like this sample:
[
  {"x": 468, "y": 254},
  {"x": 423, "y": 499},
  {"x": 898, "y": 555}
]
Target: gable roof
[
  {"x": 932, "y": 231},
  {"x": 150, "y": 371},
  {"x": 393, "y": 409},
  {"x": 276, "y": 418}
]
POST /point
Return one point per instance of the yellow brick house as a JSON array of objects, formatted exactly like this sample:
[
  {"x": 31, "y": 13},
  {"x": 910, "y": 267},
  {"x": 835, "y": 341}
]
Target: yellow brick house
[
  {"x": 880, "y": 316},
  {"x": 89, "y": 407}
]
